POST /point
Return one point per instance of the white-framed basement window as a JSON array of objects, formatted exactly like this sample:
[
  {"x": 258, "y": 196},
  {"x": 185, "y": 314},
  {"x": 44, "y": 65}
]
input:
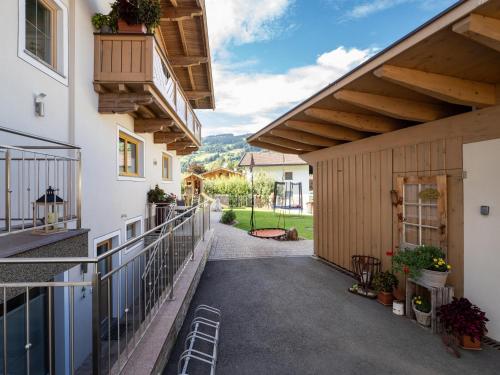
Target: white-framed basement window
[
  {"x": 422, "y": 211},
  {"x": 43, "y": 36}
]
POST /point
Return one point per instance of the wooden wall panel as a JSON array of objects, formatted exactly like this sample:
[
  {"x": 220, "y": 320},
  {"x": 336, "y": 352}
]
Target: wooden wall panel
[{"x": 353, "y": 207}]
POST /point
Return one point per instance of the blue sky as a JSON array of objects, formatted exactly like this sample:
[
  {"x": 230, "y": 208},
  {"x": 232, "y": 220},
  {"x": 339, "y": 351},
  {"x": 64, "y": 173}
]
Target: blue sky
[{"x": 268, "y": 55}]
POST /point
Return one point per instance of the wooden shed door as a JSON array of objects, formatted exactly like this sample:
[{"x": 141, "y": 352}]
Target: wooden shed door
[{"x": 422, "y": 209}]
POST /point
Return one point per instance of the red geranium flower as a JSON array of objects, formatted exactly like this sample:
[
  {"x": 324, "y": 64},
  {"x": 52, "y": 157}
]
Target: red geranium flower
[
  {"x": 389, "y": 253},
  {"x": 406, "y": 269}
]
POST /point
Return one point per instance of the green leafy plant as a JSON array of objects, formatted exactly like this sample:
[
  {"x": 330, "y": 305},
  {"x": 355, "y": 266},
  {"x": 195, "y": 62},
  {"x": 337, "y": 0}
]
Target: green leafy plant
[
  {"x": 156, "y": 195},
  {"x": 228, "y": 217},
  {"x": 385, "y": 282},
  {"x": 461, "y": 317},
  {"x": 136, "y": 12},
  {"x": 413, "y": 261},
  {"x": 99, "y": 21},
  {"x": 422, "y": 304},
  {"x": 150, "y": 13}
]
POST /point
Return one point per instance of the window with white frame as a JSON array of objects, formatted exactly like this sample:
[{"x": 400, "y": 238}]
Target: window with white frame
[
  {"x": 43, "y": 36},
  {"x": 133, "y": 229},
  {"x": 288, "y": 176},
  {"x": 422, "y": 210}
]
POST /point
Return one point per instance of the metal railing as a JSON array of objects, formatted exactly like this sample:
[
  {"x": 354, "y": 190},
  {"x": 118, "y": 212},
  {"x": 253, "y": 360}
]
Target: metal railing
[
  {"x": 173, "y": 93},
  {"x": 30, "y": 173},
  {"x": 129, "y": 284}
]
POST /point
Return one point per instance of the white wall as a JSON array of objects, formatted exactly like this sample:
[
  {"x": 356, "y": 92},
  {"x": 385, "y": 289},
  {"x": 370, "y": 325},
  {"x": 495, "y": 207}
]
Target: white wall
[{"x": 481, "y": 233}]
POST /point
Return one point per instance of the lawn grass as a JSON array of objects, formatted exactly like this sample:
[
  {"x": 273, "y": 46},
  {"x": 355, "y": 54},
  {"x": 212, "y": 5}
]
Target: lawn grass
[{"x": 269, "y": 219}]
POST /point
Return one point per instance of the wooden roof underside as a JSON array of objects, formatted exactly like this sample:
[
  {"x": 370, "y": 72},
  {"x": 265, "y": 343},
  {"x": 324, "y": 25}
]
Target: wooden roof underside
[
  {"x": 449, "y": 66},
  {"x": 183, "y": 30}
]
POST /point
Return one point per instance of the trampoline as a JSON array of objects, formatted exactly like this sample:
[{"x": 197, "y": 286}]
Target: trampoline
[{"x": 267, "y": 233}]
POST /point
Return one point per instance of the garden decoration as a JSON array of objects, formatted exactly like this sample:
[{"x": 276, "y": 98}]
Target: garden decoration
[
  {"x": 274, "y": 233},
  {"x": 422, "y": 309},
  {"x": 365, "y": 268},
  {"x": 465, "y": 321}
]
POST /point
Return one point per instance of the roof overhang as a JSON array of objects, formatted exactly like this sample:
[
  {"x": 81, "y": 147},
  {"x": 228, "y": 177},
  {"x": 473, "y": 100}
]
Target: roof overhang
[
  {"x": 446, "y": 67},
  {"x": 184, "y": 34}
]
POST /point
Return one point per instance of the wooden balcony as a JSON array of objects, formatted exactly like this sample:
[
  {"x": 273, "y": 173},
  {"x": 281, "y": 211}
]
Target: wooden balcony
[{"x": 132, "y": 75}]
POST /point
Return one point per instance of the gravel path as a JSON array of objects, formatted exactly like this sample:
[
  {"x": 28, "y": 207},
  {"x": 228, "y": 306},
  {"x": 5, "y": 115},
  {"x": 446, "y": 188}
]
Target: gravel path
[{"x": 234, "y": 243}]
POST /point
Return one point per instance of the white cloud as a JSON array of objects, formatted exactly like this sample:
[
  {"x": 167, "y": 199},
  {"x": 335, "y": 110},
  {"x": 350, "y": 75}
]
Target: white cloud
[
  {"x": 368, "y": 8},
  {"x": 243, "y": 21}
]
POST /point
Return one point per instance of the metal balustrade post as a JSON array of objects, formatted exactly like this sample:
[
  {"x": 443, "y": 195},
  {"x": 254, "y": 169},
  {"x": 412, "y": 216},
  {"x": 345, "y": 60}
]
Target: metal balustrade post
[
  {"x": 203, "y": 222},
  {"x": 96, "y": 323},
  {"x": 209, "y": 209},
  {"x": 171, "y": 262},
  {"x": 8, "y": 192},
  {"x": 79, "y": 191},
  {"x": 193, "y": 243}
]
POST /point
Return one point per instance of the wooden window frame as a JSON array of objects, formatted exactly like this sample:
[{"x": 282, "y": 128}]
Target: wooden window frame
[
  {"x": 129, "y": 139},
  {"x": 441, "y": 184},
  {"x": 54, "y": 32},
  {"x": 168, "y": 158}
]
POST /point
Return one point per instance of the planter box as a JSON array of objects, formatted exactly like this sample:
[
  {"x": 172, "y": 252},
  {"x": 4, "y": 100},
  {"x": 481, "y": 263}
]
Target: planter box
[
  {"x": 466, "y": 342},
  {"x": 124, "y": 27},
  {"x": 433, "y": 278},
  {"x": 385, "y": 298}
]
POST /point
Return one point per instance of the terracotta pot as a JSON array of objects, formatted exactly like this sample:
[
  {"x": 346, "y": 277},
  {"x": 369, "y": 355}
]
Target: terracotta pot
[
  {"x": 385, "y": 298},
  {"x": 433, "y": 278},
  {"x": 124, "y": 27},
  {"x": 467, "y": 343}
]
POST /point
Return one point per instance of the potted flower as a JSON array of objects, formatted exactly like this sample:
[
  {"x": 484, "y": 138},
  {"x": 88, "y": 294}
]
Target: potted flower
[
  {"x": 137, "y": 16},
  {"x": 422, "y": 309},
  {"x": 465, "y": 321},
  {"x": 384, "y": 283},
  {"x": 424, "y": 263},
  {"x": 103, "y": 23}
]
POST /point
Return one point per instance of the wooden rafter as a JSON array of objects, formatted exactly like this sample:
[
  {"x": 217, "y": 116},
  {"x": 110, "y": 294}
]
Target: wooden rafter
[
  {"x": 325, "y": 130},
  {"x": 394, "y": 107},
  {"x": 446, "y": 88},
  {"x": 288, "y": 143},
  {"x": 303, "y": 137},
  {"x": 174, "y": 3},
  {"x": 123, "y": 103},
  {"x": 185, "y": 61},
  {"x": 356, "y": 121},
  {"x": 152, "y": 125},
  {"x": 269, "y": 146},
  {"x": 482, "y": 29},
  {"x": 197, "y": 94},
  {"x": 179, "y": 145},
  {"x": 180, "y": 13},
  {"x": 167, "y": 137}
]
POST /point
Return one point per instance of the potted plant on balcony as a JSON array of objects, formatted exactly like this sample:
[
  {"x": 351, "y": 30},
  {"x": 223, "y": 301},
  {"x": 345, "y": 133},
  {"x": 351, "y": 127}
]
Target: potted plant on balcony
[
  {"x": 137, "y": 16},
  {"x": 104, "y": 23},
  {"x": 422, "y": 309},
  {"x": 384, "y": 283},
  {"x": 465, "y": 321},
  {"x": 424, "y": 263}
]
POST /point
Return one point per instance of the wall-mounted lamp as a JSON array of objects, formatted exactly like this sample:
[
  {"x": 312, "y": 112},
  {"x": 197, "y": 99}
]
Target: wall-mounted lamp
[{"x": 40, "y": 105}]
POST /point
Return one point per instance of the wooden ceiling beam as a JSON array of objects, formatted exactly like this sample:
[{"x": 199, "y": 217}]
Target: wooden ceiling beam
[
  {"x": 481, "y": 29},
  {"x": 174, "y": 3},
  {"x": 167, "y": 137},
  {"x": 303, "y": 137},
  {"x": 402, "y": 109},
  {"x": 185, "y": 61},
  {"x": 340, "y": 133},
  {"x": 278, "y": 141},
  {"x": 179, "y": 145},
  {"x": 197, "y": 94},
  {"x": 180, "y": 13},
  {"x": 446, "y": 88},
  {"x": 122, "y": 103},
  {"x": 152, "y": 125},
  {"x": 356, "y": 121},
  {"x": 269, "y": 146}
]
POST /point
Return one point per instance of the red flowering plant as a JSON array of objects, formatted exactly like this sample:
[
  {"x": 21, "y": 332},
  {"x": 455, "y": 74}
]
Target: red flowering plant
[
  {"x": 413, "y": 261},
  {"x": 462, "y": 318}
]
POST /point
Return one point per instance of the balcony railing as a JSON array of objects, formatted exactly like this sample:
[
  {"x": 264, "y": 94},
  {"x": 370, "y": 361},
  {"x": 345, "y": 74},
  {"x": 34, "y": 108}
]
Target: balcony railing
[
  {"x": 128, "y": 284},
  {"x": 135, "y": 60},
  {"x": 41, "y": 186}
]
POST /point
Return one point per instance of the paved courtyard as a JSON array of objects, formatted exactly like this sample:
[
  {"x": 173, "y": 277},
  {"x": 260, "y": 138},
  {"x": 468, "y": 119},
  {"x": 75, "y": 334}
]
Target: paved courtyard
[
  {"x": 293, "y": 315},
  {"x": 234, "y": 243}
]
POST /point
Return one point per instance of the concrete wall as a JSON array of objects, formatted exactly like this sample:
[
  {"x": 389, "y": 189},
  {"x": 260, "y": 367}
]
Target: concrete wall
[{"x": 481, "y": 235}]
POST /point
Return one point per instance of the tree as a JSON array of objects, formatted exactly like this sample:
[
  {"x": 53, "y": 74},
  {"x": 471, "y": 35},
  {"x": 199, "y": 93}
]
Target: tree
[{"x": 196, "y": 168}]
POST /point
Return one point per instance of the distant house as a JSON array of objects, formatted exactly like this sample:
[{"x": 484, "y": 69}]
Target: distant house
[
  {"x": 219, "y": 172},
  {"x": 282, "y": 168}
]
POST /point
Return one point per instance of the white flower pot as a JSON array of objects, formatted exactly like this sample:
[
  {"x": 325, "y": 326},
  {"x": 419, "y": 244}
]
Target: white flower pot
[
  {"x": 423, "y": 318},
  {"x": 433, "y": 278},
  {"x": 398, "y": 307}
]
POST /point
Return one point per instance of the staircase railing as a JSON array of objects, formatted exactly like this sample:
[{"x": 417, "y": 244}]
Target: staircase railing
[{"x": 122, "y": 306}]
